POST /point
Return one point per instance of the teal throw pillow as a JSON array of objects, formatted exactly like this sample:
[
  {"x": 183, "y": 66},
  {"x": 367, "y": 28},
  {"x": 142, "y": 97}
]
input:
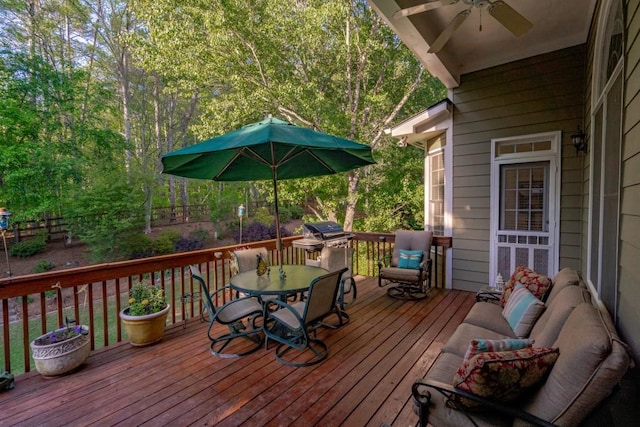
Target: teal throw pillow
[
  {"x": 410, "y": 259},
  {"x": 522, "y": 311}
]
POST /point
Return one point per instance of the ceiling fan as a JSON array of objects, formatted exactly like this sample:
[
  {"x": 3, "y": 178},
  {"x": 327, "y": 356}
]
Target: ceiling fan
[{"x": 501, "y": 11}]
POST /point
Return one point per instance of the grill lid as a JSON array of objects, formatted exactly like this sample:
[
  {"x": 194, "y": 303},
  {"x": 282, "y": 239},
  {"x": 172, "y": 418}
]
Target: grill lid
[{"x": 322, "y": 230}]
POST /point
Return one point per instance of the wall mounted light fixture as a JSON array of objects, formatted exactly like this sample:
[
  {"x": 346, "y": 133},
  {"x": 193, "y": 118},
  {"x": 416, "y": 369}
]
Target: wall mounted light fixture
[{"x": 579, "y": 140}]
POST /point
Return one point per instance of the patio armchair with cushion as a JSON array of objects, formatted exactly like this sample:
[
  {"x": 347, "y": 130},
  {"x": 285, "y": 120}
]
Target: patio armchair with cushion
[
  {"x": 238, "y": 314},
  {"x": 409, "y": 269},
  {"x": 294, "y": 326}
]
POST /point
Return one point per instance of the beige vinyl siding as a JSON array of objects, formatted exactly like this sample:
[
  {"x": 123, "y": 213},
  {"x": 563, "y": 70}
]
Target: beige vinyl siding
[
  {"x": 629, "y": 277},
  {"x": 540, "y": 94}
]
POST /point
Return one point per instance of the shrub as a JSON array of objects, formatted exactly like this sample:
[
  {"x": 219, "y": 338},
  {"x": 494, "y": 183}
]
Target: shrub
[
  {"x": 173, "y": 235},
  {"x": 285, "y": 214},
  {"x": 263, "y": 216},
  {"x": 166, "y": 242},
  {"x": 296, "y": 211},
  {"x": 188, "y": 244},
  {"x": 283, "y": 231},
  {"x": 257, "y": 232},
  {"x": 199, "y": 234},
  {"x": 254, "y": 233},
  {"x": 135, "y": 245},
  {"x": 28, "y": 248},
  {"x": 162, "y": 246},
  {"x": 43, "y": 266}
]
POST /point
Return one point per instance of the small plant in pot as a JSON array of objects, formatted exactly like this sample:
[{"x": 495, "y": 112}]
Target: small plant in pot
[
  {"x": 145, "y": 317},
  {"x": 63, "y": 350}
]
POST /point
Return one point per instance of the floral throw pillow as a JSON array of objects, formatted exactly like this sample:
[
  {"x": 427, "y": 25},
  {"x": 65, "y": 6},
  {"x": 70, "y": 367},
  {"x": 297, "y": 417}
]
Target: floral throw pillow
[
  {"x": 502, "y": 376},
  {"x": 538, "y": 284},
  {"x": 480, "y": 345}
]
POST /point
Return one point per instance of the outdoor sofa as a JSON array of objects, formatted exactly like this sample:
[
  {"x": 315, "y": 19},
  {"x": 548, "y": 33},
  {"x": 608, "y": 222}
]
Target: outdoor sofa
[{"x": 585, "y": 361}]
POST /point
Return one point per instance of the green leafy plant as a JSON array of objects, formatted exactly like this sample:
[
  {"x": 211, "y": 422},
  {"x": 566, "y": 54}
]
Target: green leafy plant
[
  {"x": 145, "y": 298},
  {"x": 28, "y": 248},
  {"x": 42, "y": 266},
  {"x": 263, "y": 216}
]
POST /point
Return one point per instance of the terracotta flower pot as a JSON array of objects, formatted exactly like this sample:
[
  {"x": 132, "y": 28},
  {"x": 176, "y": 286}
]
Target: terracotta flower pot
[
  {"x": 61, "y": 357},
  {"x": 147, "y": 329}
]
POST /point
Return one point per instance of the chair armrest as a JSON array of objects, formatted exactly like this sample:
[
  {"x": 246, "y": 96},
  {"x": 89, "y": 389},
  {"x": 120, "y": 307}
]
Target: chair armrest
[
  {"x": 425, "y": 264},
  {"x": 422, "y": 397},
  {"x": 384, "y": 262}
]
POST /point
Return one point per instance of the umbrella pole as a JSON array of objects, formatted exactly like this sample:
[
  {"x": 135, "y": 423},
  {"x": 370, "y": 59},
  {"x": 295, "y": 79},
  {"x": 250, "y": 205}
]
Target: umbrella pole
[{"x": 275, "y": 196}]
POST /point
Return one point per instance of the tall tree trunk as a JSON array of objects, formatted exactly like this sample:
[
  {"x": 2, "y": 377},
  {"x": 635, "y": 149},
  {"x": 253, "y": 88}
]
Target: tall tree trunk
[{"x": 352, "y": 200}]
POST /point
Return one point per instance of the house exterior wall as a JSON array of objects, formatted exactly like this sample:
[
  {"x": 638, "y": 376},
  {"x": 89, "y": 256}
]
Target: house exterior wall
[
  {"x": 540, "y": 94},
  {"x": 629, "y": 273}
]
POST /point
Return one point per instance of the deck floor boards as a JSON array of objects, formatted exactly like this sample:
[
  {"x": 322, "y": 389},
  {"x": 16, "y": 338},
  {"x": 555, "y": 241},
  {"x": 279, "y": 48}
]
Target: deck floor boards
[{"x": 366, "y": 380}]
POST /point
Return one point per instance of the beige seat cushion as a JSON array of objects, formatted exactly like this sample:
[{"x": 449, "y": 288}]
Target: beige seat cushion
[
  {"x": 592, "y": 360},
  {"x": 464, "y": 333},
  {"x": 488, "y": 315}
]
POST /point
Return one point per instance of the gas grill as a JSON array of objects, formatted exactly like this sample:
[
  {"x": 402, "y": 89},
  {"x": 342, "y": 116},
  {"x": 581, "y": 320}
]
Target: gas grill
[{"x": 318, "y": 234}]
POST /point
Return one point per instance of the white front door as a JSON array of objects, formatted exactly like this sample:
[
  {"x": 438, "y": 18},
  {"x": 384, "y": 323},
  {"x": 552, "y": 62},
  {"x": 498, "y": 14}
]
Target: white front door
[{"x": 524, "y": 212}]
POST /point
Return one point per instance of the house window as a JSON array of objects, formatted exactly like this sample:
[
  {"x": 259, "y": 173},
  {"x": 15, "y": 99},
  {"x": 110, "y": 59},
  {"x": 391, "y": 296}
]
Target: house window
[
  {"x": 605, "y": 152},
  {"x": 436, "y": 192}
]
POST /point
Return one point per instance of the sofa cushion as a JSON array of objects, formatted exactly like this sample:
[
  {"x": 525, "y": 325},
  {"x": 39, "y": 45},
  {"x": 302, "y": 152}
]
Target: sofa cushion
[
  {"x": 488, "y": 315},
  {"x": 481, "y": 345},
  {"x": 410, "y": 259},
  {"x": 522, "y": 310},
  {"x": 503, "y": 376},
  {"x": 464, "y": 333},
  {"x": 565, "y": 277},
  {"x": 548, "y": 326},
  {"x": 592, "y": 360},
  {"x": 538, "y": 284}
]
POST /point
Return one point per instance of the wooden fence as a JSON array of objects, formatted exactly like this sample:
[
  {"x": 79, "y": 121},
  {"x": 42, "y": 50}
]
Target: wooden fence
[{"x": 56, "y": 229}]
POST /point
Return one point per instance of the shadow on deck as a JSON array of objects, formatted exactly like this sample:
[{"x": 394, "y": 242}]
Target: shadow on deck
[{"x": 366, "y": 380}]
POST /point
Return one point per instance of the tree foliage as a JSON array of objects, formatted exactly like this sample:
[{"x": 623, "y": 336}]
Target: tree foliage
[{"x": 94, "y": 92}]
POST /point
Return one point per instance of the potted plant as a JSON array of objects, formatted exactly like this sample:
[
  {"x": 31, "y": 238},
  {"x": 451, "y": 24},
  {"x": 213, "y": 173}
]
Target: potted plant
[
  {"x": 145, "y": 317},
  {"x": 61, "y": 351}
]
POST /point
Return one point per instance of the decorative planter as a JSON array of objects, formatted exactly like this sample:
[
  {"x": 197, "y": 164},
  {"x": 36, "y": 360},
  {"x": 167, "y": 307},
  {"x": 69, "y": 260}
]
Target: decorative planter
[
  {"x": 62, "y": 357},
  {"x": 147, "y": 329}
]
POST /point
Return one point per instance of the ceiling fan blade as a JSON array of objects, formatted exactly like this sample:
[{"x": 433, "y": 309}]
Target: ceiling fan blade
[
  {"x": 446, "y": 34},
  {"x": 509, "y": 18},
  {"x": 434, "y": 4}
]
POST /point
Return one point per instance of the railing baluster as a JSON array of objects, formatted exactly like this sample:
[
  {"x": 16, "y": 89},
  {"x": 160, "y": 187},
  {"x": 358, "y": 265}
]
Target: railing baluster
[
  {"x": 92, "y": 329},
  {"x": 105, "y": 314},
  {"x": 25, "y": 330},
  {"x": 6, "y": 343}
]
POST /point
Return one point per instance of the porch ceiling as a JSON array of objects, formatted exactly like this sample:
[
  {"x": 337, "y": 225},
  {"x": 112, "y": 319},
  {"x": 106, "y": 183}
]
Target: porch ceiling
[{"x": 557, "y": 24}]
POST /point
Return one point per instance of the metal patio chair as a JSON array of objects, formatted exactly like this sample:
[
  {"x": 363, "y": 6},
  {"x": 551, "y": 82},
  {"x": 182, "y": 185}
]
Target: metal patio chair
[
  {"x": 408, "y": 271},
  {"x": 247, "y": 259},
  {"x": 239, "y": 315},
  {"x": 337, "y": 258},
  {"x": 293, "y": 326}
]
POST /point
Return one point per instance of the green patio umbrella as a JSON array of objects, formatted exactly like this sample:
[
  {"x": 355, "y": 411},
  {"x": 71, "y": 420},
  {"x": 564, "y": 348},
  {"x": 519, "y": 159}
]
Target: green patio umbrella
[{"x": 271, "y": 149}]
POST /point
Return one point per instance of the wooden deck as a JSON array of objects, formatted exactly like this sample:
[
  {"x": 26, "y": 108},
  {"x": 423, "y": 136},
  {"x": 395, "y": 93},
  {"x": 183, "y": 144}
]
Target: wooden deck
[{"x": 366, "y": 380}]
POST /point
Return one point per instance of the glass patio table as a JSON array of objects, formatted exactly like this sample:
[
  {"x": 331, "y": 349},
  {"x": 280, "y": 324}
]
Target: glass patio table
[{"x": 297, "y": 279}]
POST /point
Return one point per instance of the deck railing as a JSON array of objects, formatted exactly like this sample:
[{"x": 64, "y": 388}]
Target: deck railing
[{"x": 34, "y": 304}]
